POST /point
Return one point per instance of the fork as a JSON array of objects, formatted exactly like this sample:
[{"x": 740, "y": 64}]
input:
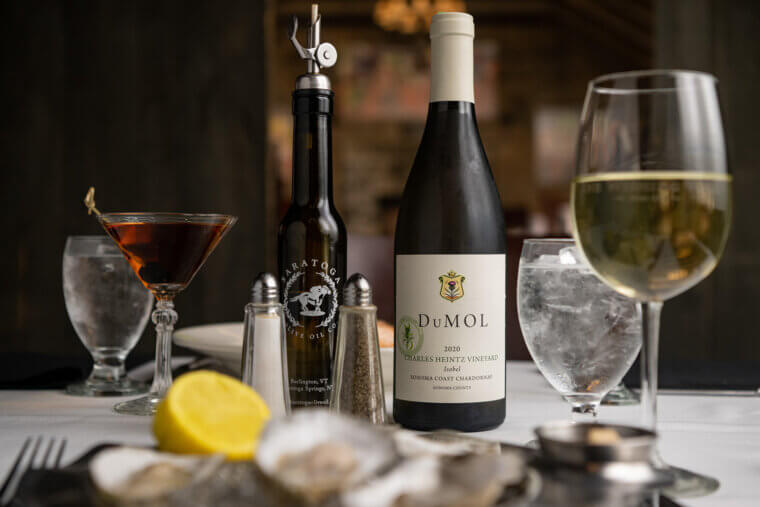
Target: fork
[{"x": 22, "y": 464}]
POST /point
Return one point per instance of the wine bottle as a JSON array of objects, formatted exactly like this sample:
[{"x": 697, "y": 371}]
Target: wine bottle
[
  {"x": 312, "y": 236},
  {"x": 450, "y": 258}
]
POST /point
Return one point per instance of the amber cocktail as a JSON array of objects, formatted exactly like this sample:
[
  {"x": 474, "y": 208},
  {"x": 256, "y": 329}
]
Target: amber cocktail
[{"x": 165, "y": 250}]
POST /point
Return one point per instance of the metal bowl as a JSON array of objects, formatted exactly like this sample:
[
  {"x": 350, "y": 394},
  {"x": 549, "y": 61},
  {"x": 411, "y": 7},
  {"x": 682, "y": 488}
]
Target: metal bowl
[
  {"x": 628, "y": 459},
  {"x": 569, "y": 443}
]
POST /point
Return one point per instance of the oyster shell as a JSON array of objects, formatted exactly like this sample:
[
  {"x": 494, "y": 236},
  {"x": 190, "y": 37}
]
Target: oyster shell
[
  {"x": 314, "y": 454},
  {"x": 323, "y": 458},
  {"x": 441, "y": 443},
  {"x": 132, "y": 474},
  {"x": 416, "y": 476},
  {"x": 472, "y": 480}
]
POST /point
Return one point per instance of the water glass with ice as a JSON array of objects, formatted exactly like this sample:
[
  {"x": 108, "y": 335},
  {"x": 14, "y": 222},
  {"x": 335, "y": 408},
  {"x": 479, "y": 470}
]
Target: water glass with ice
[
  {"x": 108, "y": 307},
  {"x": 582, "y": 335}
]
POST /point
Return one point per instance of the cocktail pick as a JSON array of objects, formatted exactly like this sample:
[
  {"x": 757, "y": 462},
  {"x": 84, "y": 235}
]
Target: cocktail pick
[{"x": 89, "y": 201}]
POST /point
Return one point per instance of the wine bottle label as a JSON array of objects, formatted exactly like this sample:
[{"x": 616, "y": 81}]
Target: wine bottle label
[{"x": 450, "y": 328}]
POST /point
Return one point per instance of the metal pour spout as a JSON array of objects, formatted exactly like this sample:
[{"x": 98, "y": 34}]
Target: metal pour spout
[
  {"x": 317, "y": 54},
  {"x": 312, "y": 67}
]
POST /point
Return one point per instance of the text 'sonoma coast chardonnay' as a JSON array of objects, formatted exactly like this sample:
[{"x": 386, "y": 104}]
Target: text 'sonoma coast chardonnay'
[{"x": 450, "y": 258}]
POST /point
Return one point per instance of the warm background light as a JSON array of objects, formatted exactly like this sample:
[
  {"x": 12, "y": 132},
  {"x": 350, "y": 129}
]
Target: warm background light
[{"x": 410, "y": 16}]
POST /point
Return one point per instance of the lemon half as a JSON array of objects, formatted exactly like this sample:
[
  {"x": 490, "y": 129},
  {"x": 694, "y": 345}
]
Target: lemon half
[{"x": 206, "y": 412}]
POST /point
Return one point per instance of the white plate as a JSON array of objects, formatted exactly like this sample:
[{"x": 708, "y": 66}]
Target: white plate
[
  {"x": 225, "y": 342},
  {"x": 220, "y": 341},
  {"x": 386, "y": 363}
]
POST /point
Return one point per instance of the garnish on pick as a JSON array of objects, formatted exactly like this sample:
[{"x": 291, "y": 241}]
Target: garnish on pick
[{"x": 89, "y": 201}]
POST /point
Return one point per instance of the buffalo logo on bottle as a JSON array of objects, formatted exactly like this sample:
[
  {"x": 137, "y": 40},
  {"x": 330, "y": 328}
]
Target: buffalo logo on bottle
[{"x": 451, "y": 286}]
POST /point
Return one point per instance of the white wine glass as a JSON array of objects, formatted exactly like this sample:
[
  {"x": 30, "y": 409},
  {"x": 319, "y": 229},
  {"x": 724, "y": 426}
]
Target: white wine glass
[
  {"x": 620, "y": 396},
  {"x": 651, "y": 202}
]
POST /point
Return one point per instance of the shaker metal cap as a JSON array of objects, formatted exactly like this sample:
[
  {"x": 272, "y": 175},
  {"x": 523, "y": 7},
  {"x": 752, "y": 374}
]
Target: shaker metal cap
[
  {"x": 357, "y": 291},
  {"x": 265, "y": 289}
]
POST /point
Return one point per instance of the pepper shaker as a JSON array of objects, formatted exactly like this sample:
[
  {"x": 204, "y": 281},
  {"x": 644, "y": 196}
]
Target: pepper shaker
[
  {"x": 264, "y": 363},
  {"x": 357, "y": 374}
]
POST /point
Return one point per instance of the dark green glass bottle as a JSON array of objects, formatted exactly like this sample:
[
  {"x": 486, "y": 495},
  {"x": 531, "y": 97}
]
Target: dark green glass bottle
[
  {"x": 311, "y": 240},
  {"x": 450, "y": 259}
]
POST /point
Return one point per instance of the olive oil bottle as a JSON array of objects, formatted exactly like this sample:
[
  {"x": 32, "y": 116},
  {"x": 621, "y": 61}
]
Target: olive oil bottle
[{"x": 312, "y": 236}]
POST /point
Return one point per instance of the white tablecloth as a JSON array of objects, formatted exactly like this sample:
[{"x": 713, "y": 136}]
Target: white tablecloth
[{"x": 715, "y": 435}]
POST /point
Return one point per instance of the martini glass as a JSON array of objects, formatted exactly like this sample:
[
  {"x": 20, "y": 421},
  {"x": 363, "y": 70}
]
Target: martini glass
[{"x": 165, "y": 250}]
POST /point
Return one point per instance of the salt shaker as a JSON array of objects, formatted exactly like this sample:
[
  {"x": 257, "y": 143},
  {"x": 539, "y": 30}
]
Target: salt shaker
[
  {"x": 264, "y": 363},
  {"x": 357, "y": 377}
]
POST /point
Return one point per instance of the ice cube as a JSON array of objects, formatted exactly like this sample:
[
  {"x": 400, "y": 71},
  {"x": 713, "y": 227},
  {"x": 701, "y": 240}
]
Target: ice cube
[
  {"x": 570, "y": 255},
  {"x": 548, "y": 259},
  {"x": 104, "y": 250}
]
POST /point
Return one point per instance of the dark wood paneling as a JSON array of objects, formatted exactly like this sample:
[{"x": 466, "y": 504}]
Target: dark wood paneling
[
  {"x": 161, "y": 106},
  {"x": 717, "y": 320}
]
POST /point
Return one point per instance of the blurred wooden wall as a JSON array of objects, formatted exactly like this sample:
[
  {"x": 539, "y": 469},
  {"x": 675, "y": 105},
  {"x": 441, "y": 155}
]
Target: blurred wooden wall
[
  {"x": 712, "y": 330},
  {"x": 548, "y": 50},
  {"x": 161, "y": 105}
]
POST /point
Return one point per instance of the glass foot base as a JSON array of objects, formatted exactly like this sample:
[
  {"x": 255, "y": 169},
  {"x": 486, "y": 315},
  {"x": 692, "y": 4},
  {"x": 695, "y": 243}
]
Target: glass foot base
[
  {"x": 621, "y": 396},
  {"x": 141, "y": 406},
  {"x": 124, "y": 387},
  {"x": 690, "y": 484}
]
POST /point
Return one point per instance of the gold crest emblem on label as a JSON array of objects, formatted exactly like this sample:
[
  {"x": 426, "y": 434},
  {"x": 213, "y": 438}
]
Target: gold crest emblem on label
[{"x": 451, "y": 286}]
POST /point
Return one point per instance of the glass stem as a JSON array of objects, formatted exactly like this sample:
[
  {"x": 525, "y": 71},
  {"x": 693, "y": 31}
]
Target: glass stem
[
  {"x": 584, "y": 413},
  {"x": 164, "y": 317},
  {"x": 650, "y": 329},
  {"x": 107, "y": 368}
]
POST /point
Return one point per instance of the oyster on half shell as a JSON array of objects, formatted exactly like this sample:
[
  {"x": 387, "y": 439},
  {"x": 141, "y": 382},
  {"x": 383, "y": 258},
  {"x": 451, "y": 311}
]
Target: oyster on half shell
[
  {"x": 411, "y": 444},
  {"x": 470, "y": 480},
  {"x": 132, "y": 474},
  {"x": 314, "y": 454},
  {"x": 322, "y": 458}
]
